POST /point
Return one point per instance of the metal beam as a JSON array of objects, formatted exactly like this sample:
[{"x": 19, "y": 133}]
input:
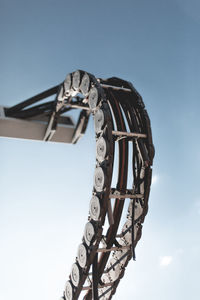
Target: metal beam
[{"x": 35, "y": 128}]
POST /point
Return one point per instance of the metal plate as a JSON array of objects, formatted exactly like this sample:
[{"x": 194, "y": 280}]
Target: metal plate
[
  {"x": 101, "y": 149},
  {"x": 89, "y": 233},
  {"x": 104, "y": 293},
  {"x": 126, "y": 230},
  {"x": 114, "y": 269},
  {"x": 75, "y": 275},
  {"x": 85, "y": 84},
  {"x": 68, "y": 291},
  {"x": 67, "y": 83},
  {"x": 93, "y": 97},
  {"x": 142, "y": 174},
  {"x": 99, "y": 120},
  {"x": 76, "y": 80},
  {"x": 95, "y": 208},
  {"x": 60, "y": 94},
  {"x": 121, "y": 255},
  {"x": 99, "y": 179},
  {"x": 138, "y": 209},
  {"x": 82, "y": 256}
]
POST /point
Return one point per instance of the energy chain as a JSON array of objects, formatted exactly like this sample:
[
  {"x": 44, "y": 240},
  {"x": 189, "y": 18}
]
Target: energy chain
[
  {"x": 119, "y": 117},
  {"x": 122, "y": 128}
]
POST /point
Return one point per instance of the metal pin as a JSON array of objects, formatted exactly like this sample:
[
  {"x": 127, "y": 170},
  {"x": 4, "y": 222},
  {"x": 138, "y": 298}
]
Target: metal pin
[
  {"x": 124, "y": 196},
  {"x": 129, "y": 134},
  {"x": 112, "y": 249},
  {"x": 117, "y": 88},
  {"x": 86, "y": 288}
]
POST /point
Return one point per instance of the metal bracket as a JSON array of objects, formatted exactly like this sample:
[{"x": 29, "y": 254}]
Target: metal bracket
[{"x": 51, "y": 127}]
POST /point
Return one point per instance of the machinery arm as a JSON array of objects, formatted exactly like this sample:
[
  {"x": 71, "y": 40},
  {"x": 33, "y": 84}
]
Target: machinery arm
[{"x": 29, "y": 119}]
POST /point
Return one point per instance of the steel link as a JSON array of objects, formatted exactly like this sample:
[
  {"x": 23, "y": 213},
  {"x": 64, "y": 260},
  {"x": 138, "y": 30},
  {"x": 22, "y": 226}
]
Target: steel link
[
  {"x": 85, "y": 84},
  {"x": 82, "y": 256},
  {"x": 89, "y": 233},
  {"x": 68, "y": 291},
  {"x": 76, "y": 80},
  {"x": 67, "y": 84},
  {"x": 95, "y": 208},
  {"x": 93, "y": 98},
  {"x": 99, "y": 120}
]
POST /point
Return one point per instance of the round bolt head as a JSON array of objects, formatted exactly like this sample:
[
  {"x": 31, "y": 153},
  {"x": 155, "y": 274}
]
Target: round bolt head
[
  {"x": 99, "y": 179},
  {"x": 85, "y": 84},
  {"x": 68, "y": 291},
  {"x": 99, "y": 120},
  {"x": 67, "y": 83},
  {"x": 75, "y": 275},
  {"x": 93, "y": 98},
  {"x": 95, "y": 208},
  {"x": 101, "y": 149},
  {"x": 89, "y": 233},
  {"x": 76, "y": 80},
  {"x": 82, "y": 255}
]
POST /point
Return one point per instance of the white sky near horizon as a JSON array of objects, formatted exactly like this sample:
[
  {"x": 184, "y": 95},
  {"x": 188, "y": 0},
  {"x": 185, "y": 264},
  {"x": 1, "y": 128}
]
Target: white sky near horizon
[{"x": 46, "y": 187}]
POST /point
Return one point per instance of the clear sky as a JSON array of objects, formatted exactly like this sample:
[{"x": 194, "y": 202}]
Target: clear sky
[{"x": 46, "y": 187}]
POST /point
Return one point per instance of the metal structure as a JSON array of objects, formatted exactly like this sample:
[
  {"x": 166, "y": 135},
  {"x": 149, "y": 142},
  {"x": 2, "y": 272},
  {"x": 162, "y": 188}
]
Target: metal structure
[{"x": 120, "y": 120}]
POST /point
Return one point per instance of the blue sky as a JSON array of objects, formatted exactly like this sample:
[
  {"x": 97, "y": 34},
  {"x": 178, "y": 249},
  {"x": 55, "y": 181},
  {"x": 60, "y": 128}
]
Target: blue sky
[{"x": 46, "y": 187}]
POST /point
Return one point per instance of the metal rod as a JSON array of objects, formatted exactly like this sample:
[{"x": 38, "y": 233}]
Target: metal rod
[
  {"x": 32, "y": 100},
  {"x": 117, "y": 236},
  {"x": 129, "y": 134},
  {"x": 78, "y": 106},
  {"x": 106, "y": 86},
  {"x": 112, "y": 249},
  {"x": 110, "y": 213},
  {"x": 34, "y": 111},
  {"x": 86, "y": 288},
  {"x": 130, "y": 196},
  {"x": 95, "y": 277},
  {"x": 133, "y": 231}
]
